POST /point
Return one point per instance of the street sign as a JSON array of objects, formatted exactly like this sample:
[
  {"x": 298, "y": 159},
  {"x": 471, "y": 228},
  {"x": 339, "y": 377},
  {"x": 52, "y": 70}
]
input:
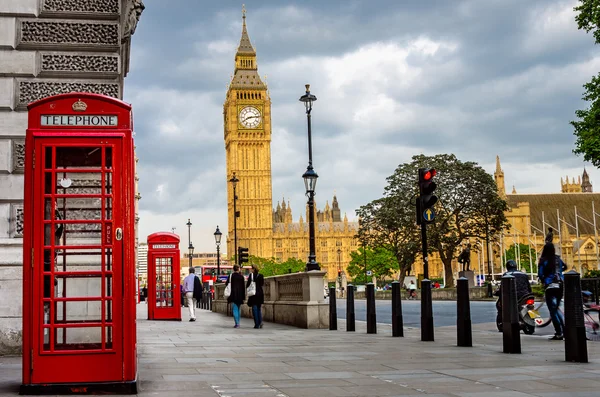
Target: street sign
[
  {"x": 429, "y": 215},
  {"x": 369, "y": 273}
]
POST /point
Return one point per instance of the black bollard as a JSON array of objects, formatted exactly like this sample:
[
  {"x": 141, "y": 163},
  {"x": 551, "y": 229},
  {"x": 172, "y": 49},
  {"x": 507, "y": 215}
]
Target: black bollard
[
  {"x": 463, "y": 314},
  {"x": 210, "y": 301},
  {"x": 511, "y": 330},
  {"x": 575, "y": 338},
  {"x": 397, "y": 323},
  {"x": 371, "y": 315},
  {"x": 490, "y": 292},
  {"x": 332, "y": 310},
  {"x": 350, "y": 318},
  {"x": 426, "y": 312}
]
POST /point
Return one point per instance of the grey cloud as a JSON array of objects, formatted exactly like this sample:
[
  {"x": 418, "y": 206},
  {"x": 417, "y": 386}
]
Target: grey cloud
[{"x": 509, "y": 86}]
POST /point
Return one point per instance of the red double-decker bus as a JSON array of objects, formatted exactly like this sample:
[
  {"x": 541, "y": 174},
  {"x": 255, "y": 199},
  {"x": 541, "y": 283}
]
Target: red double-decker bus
[{"x": 208, "y": 273}]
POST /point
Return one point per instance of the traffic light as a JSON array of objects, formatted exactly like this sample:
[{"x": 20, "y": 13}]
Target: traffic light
[
  {"x": 243, "y": 255},
  {"x": 426, "y": 199}
]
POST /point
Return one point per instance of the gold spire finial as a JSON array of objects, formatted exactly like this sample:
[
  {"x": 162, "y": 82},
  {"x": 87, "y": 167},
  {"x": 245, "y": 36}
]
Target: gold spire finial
[{"x": 244, "y": 12}]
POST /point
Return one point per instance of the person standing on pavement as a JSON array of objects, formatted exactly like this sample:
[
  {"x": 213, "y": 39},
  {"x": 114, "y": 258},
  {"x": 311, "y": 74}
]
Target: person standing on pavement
[
  {"x": 550, "y": 273},
  {"x": 238, "y": 293},
  {"x": 256, "y": 301},
  {"x": 188, "y": 288}
]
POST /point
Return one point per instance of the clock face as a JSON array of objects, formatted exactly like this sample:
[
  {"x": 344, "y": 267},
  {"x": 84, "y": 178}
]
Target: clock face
[{"x": 250, "y": 117}]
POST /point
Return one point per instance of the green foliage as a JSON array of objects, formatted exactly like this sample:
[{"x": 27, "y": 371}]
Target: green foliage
[
  {"x": 587, "y": 127},
  {"x": 537, "y": 290},
  {"x": 525, "y": 252},
  {"x": 468, "y": 205},
  {"x": 380, "y": 261},
  {"x": 592, "y": 274},
  {"x": 270, "y": 267}
]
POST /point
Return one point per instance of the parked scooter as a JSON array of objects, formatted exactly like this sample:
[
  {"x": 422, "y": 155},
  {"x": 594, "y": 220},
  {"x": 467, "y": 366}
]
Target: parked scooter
[{"x": 527, "y": 314}]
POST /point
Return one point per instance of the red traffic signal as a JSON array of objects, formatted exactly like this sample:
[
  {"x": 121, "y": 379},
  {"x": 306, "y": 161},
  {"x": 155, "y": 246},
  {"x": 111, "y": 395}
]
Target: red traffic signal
[
  {"x": 428, "y": 174},
  {"x": 427, "y": 198}
]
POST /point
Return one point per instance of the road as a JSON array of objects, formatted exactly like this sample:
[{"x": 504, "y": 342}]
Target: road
[{"x": 444, "y": 313}]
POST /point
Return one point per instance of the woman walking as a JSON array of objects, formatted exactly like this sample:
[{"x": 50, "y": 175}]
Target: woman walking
[
  {"x": 256, "y": 300},
  {"x": 550, "y": 273},
  {"x": 238, "y": 293}
]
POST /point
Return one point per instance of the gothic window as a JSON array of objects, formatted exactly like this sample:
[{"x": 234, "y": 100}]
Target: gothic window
[
  {"x": 324, "y": 257},
  {"x": 278, "y": 243},
  {"x": 338, "y": 243},
  {"x": 323, "y": 243},
  {"x": 294, "y": 243},
  {"x": 353, "y": 242}
]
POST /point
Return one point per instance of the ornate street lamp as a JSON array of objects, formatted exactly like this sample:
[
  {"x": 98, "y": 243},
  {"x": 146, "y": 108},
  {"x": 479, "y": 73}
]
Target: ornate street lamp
[
  {"x": 234, "y": 181},
  {"x": 218, "y": 242},
  {"x": 191, "y": 252},
  {"x": 190, "y": 246},
  {"x": 310, "y": 183}
]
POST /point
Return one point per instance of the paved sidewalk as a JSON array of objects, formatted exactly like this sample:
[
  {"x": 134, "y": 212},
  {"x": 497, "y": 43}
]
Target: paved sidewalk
[{"x": 211, "y": 358}]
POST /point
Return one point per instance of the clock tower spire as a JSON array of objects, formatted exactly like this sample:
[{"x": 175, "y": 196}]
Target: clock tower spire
[{"x": 247, "y": 133}]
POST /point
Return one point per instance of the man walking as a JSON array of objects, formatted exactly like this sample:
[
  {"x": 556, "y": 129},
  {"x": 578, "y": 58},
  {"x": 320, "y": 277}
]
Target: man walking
[{"x": 188, "y": 288}]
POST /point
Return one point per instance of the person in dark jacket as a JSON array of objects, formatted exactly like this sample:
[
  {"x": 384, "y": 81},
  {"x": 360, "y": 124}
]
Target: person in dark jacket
[
  {"x": 256, "y": 301},
  {"x": 238, "y": 293},
  {"x": 522, "y": 284},
  {"x": 550, "y": 272},
  {"x": 197, "y": 291}
]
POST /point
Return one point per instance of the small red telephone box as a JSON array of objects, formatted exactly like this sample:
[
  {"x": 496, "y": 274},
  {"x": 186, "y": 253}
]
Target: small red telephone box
[
  {"x": 164, "y": 295},
  {"x": 79, "y": 332}
]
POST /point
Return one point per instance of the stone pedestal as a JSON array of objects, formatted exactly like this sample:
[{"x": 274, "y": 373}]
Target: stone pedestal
[{"x": 469, "y": 275}]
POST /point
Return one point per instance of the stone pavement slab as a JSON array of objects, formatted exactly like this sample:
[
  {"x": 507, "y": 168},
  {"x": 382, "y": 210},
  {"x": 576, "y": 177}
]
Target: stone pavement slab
[{"x": 211, "y": 358}]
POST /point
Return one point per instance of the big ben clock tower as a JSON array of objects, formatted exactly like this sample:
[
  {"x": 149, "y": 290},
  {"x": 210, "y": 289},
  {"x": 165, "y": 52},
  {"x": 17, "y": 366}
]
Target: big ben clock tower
[{"x": 247, "y": 124}]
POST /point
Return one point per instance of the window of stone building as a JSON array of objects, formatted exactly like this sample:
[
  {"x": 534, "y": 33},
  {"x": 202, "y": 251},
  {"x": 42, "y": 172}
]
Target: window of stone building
[
  {"x": 279, "y": 256},
  {"x": 354, "y": 242},
  {"x": 294, "y": 243},
  {"x": 338, "y": 243},
  {"x": 278, "y": 243},
  {"x": 323, "y": 243},
  {"x": 324, "y": 257}
]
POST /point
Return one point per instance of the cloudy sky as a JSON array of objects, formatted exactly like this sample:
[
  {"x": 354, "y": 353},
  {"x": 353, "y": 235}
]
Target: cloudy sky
[{"x": 477, "y": 78}]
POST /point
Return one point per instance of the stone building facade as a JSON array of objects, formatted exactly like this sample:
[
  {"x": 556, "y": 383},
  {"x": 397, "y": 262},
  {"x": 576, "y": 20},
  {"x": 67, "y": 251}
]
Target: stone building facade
[
  {"x": 48, "y": 47},
  {"x": 266, "y": 231}
]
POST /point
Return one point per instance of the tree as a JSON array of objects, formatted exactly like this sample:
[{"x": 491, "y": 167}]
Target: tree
[
  {"x": 389, "y": 223},
  {"x": 525, "y": 253},
  {"x": 468, "y": 205},
  {"x": 379, "y": 260},
  {"x": 587, "y": 128},
  {"x": 270, "y": 267}
]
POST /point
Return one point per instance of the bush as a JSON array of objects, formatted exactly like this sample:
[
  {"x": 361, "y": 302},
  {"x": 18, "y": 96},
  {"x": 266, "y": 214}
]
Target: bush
[
  {"x": 592, "y": 274},
  {"x": 538, "y": 290}
]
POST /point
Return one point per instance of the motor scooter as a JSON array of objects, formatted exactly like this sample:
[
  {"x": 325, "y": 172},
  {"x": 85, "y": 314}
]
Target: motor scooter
[{"x": 528, "y": 316}]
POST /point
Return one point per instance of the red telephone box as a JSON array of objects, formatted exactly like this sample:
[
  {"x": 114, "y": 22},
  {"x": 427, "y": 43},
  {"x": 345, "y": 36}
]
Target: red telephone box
[
  {"x": 164, "y": 295},
  {"x": 79, "y": 332}
]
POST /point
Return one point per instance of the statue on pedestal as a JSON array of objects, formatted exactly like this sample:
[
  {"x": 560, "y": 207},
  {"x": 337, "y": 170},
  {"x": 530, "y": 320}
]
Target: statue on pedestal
[{"x": 465, "y": 258}]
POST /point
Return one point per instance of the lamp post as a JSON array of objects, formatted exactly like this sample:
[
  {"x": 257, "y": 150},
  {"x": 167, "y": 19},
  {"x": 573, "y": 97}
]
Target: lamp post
[
  {"x": 487, "y": 242},
  {"x": 190, "y": 246},
  {"x": 234, "y": 182},
  {"x": 339, "y": 252},
  {"x": 218, "y": 242},
  {"x": 310, "y": 182}
]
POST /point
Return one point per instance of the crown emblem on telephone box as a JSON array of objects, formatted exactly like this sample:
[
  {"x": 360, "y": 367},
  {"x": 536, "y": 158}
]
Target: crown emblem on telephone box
[{"x": 79, "y": 106}]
